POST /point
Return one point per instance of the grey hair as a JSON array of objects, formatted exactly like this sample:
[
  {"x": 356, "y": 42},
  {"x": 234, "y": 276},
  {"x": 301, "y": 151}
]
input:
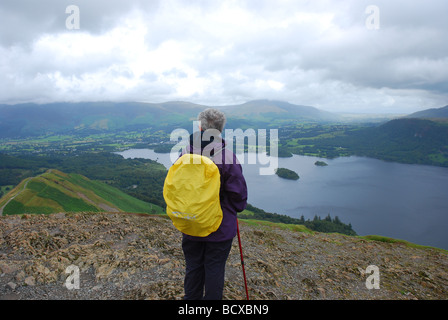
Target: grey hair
[{"x": 212, "y": 119}]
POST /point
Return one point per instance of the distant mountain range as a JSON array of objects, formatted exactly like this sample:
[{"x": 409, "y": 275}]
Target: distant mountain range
[
  {"x": 29, "y": 119},
  {"x": 268, "y": 110},
  {"x": 90, "y": 117}
]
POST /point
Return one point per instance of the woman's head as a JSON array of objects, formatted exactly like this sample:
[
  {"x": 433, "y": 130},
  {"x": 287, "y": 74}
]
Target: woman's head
[{"x": 212, "y": 119}]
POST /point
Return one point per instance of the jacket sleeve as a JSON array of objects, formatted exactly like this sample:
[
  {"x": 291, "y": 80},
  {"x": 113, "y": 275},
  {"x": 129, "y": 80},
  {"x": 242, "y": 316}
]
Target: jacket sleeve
[{"x": 235, "y": 186}]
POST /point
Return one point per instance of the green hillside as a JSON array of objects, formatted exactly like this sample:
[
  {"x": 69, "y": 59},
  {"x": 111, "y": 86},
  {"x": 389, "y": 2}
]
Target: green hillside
[
  {"x": 416, "y": 141},
  {"x": 55, "y": 191}
]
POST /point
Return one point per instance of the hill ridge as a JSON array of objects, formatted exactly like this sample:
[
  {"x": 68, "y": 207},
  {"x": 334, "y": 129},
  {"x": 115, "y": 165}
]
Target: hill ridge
[
  {"x": 433, "y": 113},
  {"x": 55, "y": 191}
]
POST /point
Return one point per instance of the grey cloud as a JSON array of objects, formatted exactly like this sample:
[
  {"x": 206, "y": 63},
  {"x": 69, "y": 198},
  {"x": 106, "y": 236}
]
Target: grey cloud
[
  {"x": 25, "y": 20},
  {"x": 342, "y": 65}
]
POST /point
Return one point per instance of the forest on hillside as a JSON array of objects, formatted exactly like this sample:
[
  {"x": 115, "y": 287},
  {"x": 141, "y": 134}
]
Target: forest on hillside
[
  {"x": 413, "y": 141},
  {"x": 327, "y": 224}
]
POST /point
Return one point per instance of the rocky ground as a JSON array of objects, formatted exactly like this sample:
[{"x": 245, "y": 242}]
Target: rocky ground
[{"x": 127, "y": 256}]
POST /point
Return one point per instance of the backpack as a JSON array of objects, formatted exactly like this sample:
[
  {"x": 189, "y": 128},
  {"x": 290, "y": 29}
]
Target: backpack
[{"x": 191, "y": 192}]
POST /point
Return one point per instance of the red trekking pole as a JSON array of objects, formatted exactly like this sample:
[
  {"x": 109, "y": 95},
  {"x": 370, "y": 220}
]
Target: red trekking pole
[{"x": 242, "y": 259}]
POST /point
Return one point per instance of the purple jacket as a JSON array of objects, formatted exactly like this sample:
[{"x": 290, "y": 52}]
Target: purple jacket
[{"x": 233, "y": 193}]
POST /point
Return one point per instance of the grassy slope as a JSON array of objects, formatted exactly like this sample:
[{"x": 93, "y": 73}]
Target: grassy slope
[
  {"x": 302, "y": 228},
  {"x": 122, "y": 200},
  {"x": 55, "y": 191}
]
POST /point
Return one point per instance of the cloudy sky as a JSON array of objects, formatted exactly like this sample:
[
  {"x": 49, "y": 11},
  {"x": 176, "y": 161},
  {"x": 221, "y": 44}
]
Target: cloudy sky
[{"x": 335, "y": 55}]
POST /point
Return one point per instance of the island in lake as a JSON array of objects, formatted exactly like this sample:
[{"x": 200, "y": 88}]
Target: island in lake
[
  {"x": 320, "y": 164},
  {"x": 287, "y": 174}
]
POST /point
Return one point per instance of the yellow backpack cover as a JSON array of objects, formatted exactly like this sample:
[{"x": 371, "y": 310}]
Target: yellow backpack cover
[{"x": 191, "y": 192}]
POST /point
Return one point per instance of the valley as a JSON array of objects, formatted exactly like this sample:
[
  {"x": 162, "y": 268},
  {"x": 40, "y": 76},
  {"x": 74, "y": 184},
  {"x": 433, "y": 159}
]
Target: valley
[
  {"x": 82, "y": 139},
  {"x": 71, "y": 129}
]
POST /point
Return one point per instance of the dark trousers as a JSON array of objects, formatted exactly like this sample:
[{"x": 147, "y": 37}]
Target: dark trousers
[{"x": 205, "y": 268}]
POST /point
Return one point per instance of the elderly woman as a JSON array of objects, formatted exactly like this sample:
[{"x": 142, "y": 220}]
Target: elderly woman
[{"x": 206, "y": 257}]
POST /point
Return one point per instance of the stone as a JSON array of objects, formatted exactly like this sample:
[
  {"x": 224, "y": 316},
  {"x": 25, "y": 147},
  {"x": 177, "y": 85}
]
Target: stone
[
  {"x": 12, "y": 285},
  {"x": 20, "y": 276},
  {"x": 30, "y": 281}
]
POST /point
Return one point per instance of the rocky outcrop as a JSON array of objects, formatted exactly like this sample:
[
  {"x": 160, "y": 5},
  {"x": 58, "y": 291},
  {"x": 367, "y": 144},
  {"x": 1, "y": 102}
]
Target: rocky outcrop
[{"x": 129, "y": 256}]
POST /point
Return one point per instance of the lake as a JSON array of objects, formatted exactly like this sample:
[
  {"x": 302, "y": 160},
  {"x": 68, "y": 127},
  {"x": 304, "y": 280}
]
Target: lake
[{"x": 396, "y": 200}]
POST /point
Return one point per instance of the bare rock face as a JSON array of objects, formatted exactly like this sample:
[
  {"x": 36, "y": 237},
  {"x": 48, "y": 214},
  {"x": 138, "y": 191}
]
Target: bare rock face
[{"x": 131, "y": 256}]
